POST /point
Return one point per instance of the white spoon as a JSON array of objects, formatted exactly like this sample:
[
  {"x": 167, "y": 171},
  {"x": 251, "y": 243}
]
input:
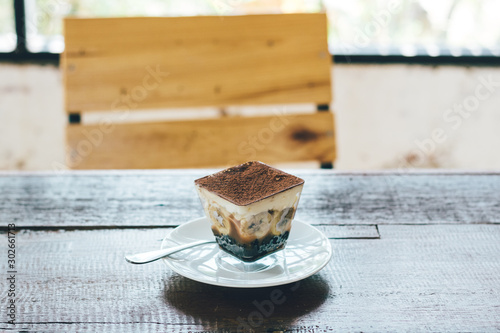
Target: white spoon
[{"x": 143, "y": 258}]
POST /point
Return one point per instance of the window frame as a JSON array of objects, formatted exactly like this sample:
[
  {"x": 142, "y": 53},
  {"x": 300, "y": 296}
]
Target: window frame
[{"x": 21, "y": 54}]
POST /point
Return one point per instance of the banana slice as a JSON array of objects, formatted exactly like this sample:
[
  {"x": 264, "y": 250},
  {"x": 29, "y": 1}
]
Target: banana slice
[
  {"x": 258, "y": 225},
  {"x": 219, "y": 221},
  {"x": 282, "y": 221}
]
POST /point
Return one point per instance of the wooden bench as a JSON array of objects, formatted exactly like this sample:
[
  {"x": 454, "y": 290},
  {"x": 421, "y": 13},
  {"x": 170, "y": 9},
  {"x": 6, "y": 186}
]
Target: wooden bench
[{"x": 127, "y": 64}]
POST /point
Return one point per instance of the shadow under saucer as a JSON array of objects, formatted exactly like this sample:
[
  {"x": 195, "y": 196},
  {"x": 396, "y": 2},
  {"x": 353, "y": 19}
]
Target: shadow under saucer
[{"x": 238, "y": 309}]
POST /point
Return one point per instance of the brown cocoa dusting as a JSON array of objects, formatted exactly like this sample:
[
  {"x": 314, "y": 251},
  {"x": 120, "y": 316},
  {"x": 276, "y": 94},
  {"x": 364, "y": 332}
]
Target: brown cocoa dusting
[{"x": 249, "y": 182}]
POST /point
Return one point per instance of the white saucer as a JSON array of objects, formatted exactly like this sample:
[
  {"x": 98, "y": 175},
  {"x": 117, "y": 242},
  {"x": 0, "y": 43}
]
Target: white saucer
[{"x": 307, "y": 251}]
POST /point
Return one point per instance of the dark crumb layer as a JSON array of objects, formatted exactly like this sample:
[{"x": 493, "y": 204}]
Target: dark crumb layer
[
  {"x": 255, "y": 250},
  {"x": 249, "y": 182}
]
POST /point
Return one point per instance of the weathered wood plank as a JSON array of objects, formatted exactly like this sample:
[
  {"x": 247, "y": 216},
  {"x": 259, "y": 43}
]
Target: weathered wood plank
[
  {"x": 167, "y": 198},
  {"x": 350, "y": 231},
  {"x": 414, "y": 278},
  {"x": 203, "y": 143}
]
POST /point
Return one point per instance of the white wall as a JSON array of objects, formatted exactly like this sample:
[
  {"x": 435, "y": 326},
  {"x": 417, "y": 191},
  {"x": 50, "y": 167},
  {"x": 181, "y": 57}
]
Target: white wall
[
  {"x": 31, "y": 117},
  {"x": 386, "y": 116}
]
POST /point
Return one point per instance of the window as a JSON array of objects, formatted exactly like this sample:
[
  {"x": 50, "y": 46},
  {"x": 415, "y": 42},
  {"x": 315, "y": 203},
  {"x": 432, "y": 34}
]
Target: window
[
  {"x": 402, "y": 28},
  {"x": 419, "y": 27},
  {"x": 44, "y": 17},
  {"x": 8, "y": 39}
]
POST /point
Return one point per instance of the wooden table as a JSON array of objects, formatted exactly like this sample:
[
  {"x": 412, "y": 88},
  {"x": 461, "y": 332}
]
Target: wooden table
[{"x": 412, "y": 252}]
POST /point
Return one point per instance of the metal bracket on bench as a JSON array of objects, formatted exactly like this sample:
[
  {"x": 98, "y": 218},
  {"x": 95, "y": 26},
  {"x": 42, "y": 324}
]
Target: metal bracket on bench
[
  {"x": 74, "y": 118},
  {"x": 323, "y": 107},
  {"x": 326, "y": 165}
]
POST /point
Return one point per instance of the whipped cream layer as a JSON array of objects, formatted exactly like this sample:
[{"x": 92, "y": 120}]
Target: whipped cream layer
[{"x": 261, "y": 219}]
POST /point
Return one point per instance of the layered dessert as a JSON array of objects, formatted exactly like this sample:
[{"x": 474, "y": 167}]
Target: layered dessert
[{"x": 251, "y": 207}]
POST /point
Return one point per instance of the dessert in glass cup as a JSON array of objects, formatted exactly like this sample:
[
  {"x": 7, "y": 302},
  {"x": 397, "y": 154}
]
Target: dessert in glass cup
[{"x": 251, "y": 207}]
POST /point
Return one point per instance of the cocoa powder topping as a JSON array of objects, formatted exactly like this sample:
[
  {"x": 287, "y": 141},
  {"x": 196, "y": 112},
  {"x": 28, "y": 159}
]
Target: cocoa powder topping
[{"x": 249, "y": 182}]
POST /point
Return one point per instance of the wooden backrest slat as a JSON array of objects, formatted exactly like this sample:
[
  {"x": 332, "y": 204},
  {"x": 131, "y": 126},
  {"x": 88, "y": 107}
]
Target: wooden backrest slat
[
  {"x": 195, "y": 61},
  {"x": 203, "y": 143}
]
